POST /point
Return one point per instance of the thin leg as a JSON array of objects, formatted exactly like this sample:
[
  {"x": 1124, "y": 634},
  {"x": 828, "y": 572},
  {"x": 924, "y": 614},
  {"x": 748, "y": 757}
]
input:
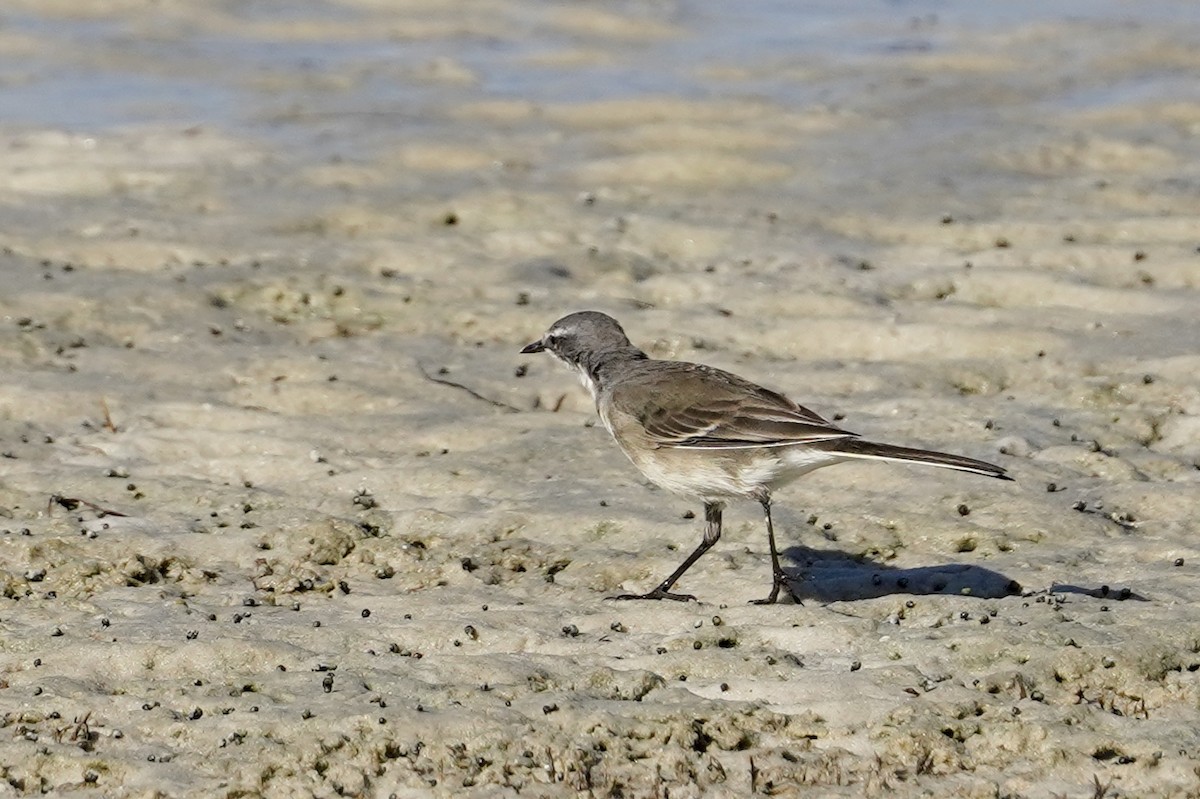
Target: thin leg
[
  {"x": 778, "y": 578},
  {"x": 712, "y": 531}
]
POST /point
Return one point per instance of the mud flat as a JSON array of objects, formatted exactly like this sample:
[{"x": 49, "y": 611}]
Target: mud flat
[{"x": 284, "y": 513}]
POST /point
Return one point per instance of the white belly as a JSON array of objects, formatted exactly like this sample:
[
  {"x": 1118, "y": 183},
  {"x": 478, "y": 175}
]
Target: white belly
[{"x": 715, "y": 473}]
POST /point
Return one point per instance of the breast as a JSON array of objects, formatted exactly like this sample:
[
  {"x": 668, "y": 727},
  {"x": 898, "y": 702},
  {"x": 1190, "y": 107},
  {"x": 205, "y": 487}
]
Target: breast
[{"x": 706, "y": 474}]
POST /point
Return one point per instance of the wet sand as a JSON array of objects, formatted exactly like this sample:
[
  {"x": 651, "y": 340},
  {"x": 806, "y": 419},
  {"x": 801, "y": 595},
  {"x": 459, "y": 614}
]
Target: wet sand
[{"x": 284, "y": 513}]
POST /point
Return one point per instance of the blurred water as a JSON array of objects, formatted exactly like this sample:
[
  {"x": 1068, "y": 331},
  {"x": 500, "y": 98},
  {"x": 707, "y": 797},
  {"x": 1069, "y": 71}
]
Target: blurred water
[{"x": 100, "y": 74}]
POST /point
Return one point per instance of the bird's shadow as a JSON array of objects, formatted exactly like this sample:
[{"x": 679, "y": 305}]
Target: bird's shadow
[
  {"x": 833, "y": 576},
  {"x": 1099, "y": 592}
]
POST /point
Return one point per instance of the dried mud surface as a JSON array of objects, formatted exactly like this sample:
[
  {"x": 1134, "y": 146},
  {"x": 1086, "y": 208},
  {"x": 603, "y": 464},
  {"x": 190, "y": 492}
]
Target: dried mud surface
[{"x": 284, "y": 513}]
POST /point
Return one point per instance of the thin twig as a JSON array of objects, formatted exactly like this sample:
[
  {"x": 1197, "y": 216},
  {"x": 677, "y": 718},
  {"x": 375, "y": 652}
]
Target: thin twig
[
  {"x": 444, "y": 382},
  {"x": 108, "y": 422},
  {"x": 71, "y": 503}
]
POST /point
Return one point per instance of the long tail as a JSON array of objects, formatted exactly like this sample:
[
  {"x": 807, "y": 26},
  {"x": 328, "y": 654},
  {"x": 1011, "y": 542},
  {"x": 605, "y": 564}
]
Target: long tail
[{"x": 856, "y": 448}]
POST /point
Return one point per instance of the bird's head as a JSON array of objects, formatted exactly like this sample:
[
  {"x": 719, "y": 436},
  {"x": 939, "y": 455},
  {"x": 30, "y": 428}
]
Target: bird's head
[{"x": 578, "y": 338}]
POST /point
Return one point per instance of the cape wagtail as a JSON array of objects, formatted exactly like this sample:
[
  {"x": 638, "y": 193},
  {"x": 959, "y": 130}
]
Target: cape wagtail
[{"x": 706, "y": 433}]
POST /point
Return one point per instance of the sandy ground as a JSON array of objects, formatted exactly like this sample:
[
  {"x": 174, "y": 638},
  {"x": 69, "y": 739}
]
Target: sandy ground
[{"x": 284, "y": 513}]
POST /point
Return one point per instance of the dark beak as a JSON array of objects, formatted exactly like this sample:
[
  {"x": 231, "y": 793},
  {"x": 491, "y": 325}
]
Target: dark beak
[{"x": 536, "y": 346}]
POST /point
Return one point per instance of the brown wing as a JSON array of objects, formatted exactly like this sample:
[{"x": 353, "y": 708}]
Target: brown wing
[{"x": 698, "y": 407}]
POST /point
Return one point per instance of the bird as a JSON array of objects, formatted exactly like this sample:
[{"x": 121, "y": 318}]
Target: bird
[{"x": 707, "y": 434}]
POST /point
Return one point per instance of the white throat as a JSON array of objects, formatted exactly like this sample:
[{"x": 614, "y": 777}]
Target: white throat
[
  {"x": 587, "y": 381},
  {"x": 583, "y": 376}
]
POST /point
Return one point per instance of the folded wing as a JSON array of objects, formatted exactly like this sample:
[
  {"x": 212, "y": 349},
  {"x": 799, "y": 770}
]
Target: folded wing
[{"x": 722, "y": 411}]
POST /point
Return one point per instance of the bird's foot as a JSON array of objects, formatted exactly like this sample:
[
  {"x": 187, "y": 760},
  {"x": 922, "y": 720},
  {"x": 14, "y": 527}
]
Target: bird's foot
[
  {"x": 780, "y": 581},
  {"x": 657, "y": 593}
]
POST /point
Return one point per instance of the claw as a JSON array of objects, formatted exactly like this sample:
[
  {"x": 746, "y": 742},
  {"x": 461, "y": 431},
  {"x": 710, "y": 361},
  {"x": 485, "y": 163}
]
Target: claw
[
  {"x": 657, "y": 593},
  {"x": 780, "y": 581}
]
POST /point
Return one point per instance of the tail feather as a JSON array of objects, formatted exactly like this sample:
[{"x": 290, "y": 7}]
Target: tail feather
[{"x": 857, "y": 448}]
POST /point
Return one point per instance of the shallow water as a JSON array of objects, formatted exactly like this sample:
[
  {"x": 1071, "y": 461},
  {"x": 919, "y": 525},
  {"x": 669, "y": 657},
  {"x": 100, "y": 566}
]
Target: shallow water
[{"x": 266, "y": 271}]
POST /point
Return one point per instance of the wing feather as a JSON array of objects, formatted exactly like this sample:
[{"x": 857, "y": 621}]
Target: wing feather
[{"x": 712, "y": 409}]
